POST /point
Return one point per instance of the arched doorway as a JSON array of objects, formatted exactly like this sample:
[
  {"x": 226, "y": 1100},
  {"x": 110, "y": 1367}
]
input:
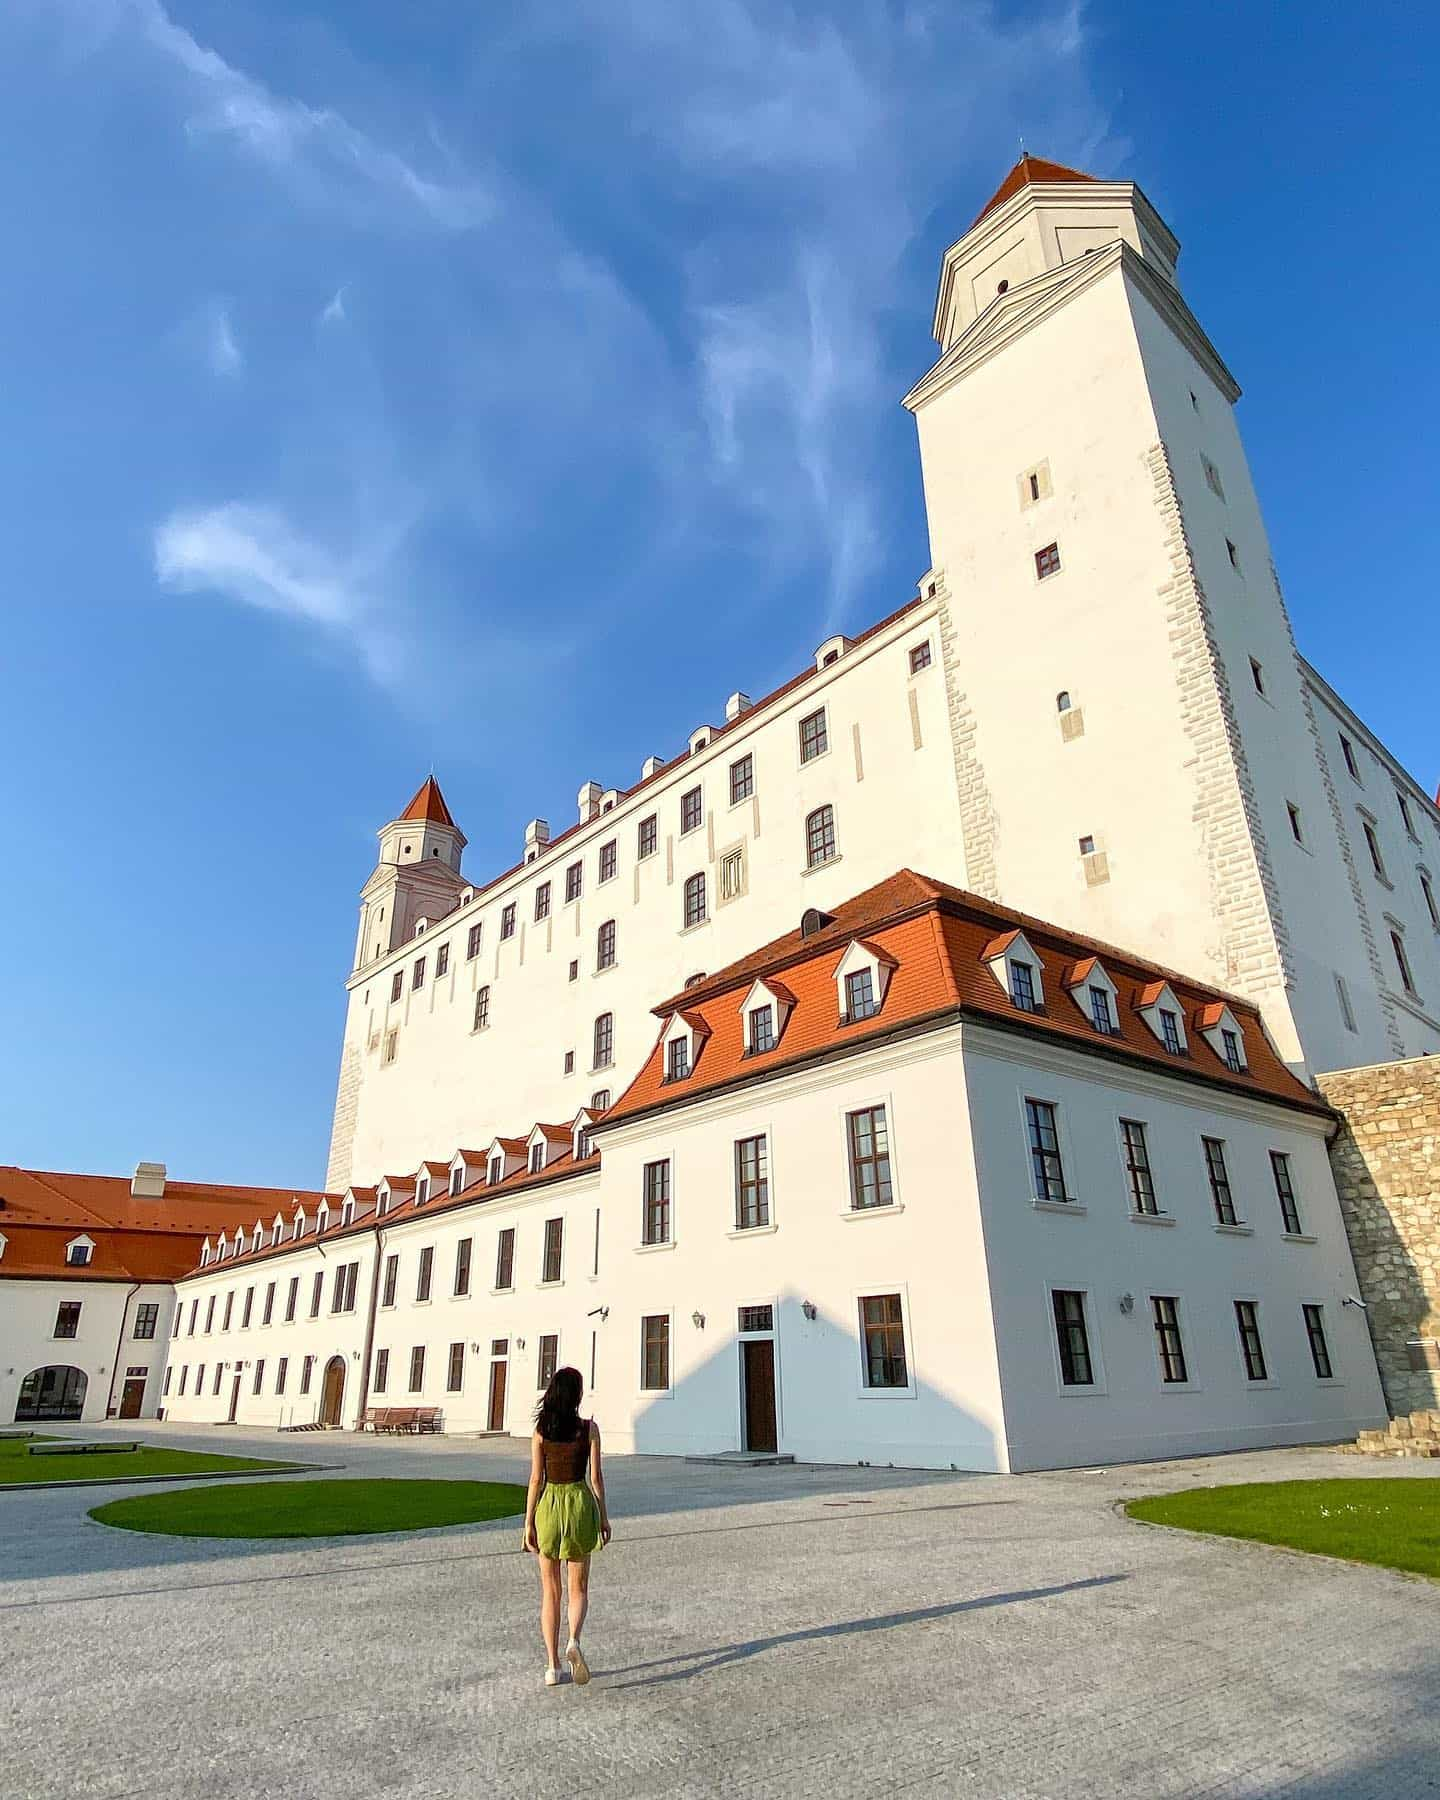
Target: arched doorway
[
  {"x": 331, "y": 1391},
  {"x": 57, "y": 1392}
]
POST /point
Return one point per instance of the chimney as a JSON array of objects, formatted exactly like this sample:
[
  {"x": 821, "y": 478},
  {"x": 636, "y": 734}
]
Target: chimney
[
  {"x": 652, "y": 765},
  {"x": 588, "y": 800},
  {"x": 735, "y": 705},
  {"x": 537, "y": 836},
  {"x": 148, "y": 1182}
]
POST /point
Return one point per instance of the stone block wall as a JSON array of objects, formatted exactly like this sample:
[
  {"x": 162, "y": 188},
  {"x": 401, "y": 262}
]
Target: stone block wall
[{"x": 1386, "y": 1160}]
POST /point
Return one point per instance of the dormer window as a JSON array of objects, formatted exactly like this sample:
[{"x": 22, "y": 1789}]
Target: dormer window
[
  {"x": 683, "y": 1039},
  {"x": 422, "y": 1190},
  {"x": 1230, "y": 1051},
  {"x": 537, "y": 1158},
  {"x": 1022, "y": 985},
  {"x": 862, "y": 979},
  {"x": 257, "y": 1237},
  {"x": 457, "y": 1179},
  {"x": 204, "y": 1252},
  {"x": 762, "y": 1029},
  {"x": 497, "y": 1171},
  {"x": 1221, "y": 1030},
  {"x": 860, "y": 1001},
  {"x": 322, "y": 1219},
  {"x": 584, "y": 1145},
  {"x": 677, "y": 1059},
  {"x": 1017, "y": 967},
  {"x": 79, "y": 1251},
  {"x": 1102, "y": 1015},
  {"x": 297, "y": 1229},
  {"x": 347, "y": 1213},
  {"x": 1170, "y": 1030},
  {"x": 1163, "y": 1013}
]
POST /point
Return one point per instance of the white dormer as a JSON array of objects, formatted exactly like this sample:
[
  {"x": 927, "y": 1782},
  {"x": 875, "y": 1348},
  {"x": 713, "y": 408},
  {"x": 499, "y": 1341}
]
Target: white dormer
[
  {"x": 1221, "y": 1031},
  {"x": 257, "y": 1237},
  {"x": 322, "y": 1217},
  {"x": 831, "y": 651},
  {"x": 467, "y": 894},
  {"x": 277, "y": 1229},
  {"x": 297, "y": 1225},
  {"x": 80, "y": 1252},
  {"x": 1015, "y": 963},
  {"x": 221, "y": 1247},
  {"x": 681, "y": 1043},
  {"x": 466, "y": 1168},
  {"x": 700, "y": 738},
  {"x": 347, "y": 1210},
  {"x": 862, "y": 979},
  {"x": 1097, "y": 996},
  {"x": 763, "y": 1015},
  {"x": 205, "y": 1253},
  {"x": 1163, "y": 1013},
  {"x": 545, "y": 1145},
  {"x": 608, "y": 799},
  {"x": 504, "y": 1158},
  {"x": 581, "y": 1145}
]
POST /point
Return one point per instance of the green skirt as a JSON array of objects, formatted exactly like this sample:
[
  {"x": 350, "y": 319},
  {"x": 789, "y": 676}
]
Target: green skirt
[{"x": 567, "y": 1521}]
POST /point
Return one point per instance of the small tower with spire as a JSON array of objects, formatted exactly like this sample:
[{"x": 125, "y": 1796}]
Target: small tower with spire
[{"x": 417, "y": 877}]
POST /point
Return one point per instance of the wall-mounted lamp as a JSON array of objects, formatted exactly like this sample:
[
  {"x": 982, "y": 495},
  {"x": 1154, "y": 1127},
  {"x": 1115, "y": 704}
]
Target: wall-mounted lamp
[
  {"x": 599, "y": 1312},
  {"x": 519, "y": 1343},
  {"x": 1127, "y": 1303},
  {"x": 354, "y": 1356},
  {"x": 808, "y": 1308},
  {"x": 697, "y": 1319}
]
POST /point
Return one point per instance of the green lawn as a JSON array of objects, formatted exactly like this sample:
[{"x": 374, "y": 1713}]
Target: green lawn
[
  {"x": 1390, "y": 1521},
  {"x": 304, "y": 1509},
  {"x": 16, "y": 1464}
]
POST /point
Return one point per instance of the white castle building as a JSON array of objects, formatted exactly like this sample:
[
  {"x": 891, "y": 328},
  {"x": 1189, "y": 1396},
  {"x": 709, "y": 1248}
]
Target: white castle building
[{"x": 926, "y": 1180}]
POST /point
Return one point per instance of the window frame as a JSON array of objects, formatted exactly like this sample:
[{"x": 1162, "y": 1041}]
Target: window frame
[
  {"x": 552, "y": 1252},
  {"x": 1038, "y": 1156},
  {"x": 1096, "y": 1383},
  {"x": 647, "y": 836},
  {"x": 850, "y": 1111},
  {"x": 692, "y": 809},
  {"x": 542, "y": 902},
  {"x": 507, "y": 921},
  {"x": 504, "y": 1260},
  {"x": 605, "y": 945},
  {"x": 742, "y": 778},
  {"x": 659, "y": 1207},
  {"x": 694, "y": 916},
  {"x": 602, "y": 1037},
  {"x": 1317, "y": 1307},
  {"x": 812, "y": 740},
  {"x": 1139, "y": 1176},
  {"x": 752, "y": 1191},
  {"x": 1243, "y": 1334},
  {"x": 820, "y": 837},
  {"x": 1221, "y": 1187},
  {"x": 659, "y": 1387},
  {"x": 1283, "y": 1177},
  {"x": 901, "y": 1390},
  {"x": 1047, "y": 561},
  {"x": 1168, "y": 1340}
]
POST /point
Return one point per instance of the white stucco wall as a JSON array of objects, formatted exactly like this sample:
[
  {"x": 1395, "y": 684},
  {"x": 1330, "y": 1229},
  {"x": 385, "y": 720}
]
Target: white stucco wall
[{"x": 104, "y": 1347}]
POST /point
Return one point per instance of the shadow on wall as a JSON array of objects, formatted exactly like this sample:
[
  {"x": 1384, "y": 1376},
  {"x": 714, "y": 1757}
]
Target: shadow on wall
[{"x": 819, "y": 1406}]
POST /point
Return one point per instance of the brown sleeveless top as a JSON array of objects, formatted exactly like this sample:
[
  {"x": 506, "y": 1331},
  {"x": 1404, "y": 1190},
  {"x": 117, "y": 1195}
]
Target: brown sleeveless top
[{"x": 567, "y": 1462}]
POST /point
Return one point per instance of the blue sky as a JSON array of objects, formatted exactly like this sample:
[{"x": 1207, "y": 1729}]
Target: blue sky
[{"x": 497, "y": 387}]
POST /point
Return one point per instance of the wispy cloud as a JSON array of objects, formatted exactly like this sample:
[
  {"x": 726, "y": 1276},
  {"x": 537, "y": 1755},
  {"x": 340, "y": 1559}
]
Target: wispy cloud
[
  {"x": 333, "y": 312},
  {"x": 224, "y": 351}
]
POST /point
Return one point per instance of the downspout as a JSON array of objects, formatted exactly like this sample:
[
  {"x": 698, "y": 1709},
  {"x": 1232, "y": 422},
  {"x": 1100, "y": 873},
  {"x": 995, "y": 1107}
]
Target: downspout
[
  {"x": 370, "y": 1327},
  {"x": 135, "y": 1288}
]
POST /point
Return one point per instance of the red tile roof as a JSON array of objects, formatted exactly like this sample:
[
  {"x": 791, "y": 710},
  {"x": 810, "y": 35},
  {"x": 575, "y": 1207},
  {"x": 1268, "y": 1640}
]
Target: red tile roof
[
  {"x": 939, "y": 938},
  {"x": 429, "y": 804},
  {"x": 1028, "y": 169}
]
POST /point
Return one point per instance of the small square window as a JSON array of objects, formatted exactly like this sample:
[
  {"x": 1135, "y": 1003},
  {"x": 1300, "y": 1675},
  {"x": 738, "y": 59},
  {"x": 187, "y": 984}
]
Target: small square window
[
  {"x": 1047, "y": 561},
  {"x": 569, "y": 1062},
  {"x": 920, "y": 657},
  {"x": 574, "y": 970}
]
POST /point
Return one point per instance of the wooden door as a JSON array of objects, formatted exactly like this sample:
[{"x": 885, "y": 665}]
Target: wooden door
[
  {"x": 331, "y": 1392},
  {"x": 132, "y": 1397},
  {"x": 496, "y": 1421},
  {"x": 757, "y": 1367}
]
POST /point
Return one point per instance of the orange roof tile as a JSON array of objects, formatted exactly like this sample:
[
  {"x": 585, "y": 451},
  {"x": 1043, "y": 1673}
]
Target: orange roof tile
[
  {"x": 429, "y": 804},
  {"x": 1028, "y": 169}
]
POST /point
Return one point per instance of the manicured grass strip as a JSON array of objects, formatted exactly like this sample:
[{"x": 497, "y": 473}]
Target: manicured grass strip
[
  {"x": 55, "y": 1470},
  {"x": 21, "y": 1446},
  {"x": 304, "y": 1509},
  {"x": 1392, "y": 1522}
]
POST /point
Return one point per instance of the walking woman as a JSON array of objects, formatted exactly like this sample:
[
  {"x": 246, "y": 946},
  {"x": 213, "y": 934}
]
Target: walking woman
[{"x": 565, "y": 1515}]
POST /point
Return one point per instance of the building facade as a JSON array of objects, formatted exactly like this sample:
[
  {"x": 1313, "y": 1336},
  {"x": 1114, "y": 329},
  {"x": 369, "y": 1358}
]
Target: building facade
[
  {"x": 927, "y": 1182},
  {"x": 1094, "y": 708}
]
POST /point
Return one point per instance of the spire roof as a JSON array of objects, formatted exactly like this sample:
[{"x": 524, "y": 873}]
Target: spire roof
[
  {"x": 1028, "y": 169},
  {"x": 429, "y": 803}
]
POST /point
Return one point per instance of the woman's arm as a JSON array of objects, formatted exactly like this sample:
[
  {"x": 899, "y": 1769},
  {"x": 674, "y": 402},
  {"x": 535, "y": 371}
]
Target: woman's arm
[
  {"x": 537, "y": 1484},
  {"x": 597, "y": 1482}
]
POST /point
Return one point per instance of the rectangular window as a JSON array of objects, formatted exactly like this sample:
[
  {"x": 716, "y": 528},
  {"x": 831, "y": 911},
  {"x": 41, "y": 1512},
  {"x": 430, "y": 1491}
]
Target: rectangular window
[
  {"x": 392, "y": 1047},
  {"x": 605, "y": 946},
  {"x": 553, "y": 1259},
  {"x": 542, "y": 901},
  {"x": 1402, "y": 962},
  {"x": 247, "y": 1309},
  {"x": 337, "y": 1292},
  {"x": 316, "y": 1287},
  {"x": 695, "y": 901},
  {"x": 692, "y": 810},
  {"x": 1165, "y": 1316},
  {"x": 762, "y": 1029},
  {"x": 869, "y": 1143},
  {"x": 184, "y": 1373},
  {"x": 1347, "y": 1012},
  {"x": 537, "y": 1158},
  {"x": 655, "y": 1225},
  {"x": 742, "y": 779},
  {"x": 194, "y": 1304},
  {"x": 397, "y": 984},
  {"x": 165, "y": 1389},
  {"x": 820, "y": 837},
  {"x": 1137, "y": 1167},
  {"x": 219, "y": 1375},
  {"x": 417, "y": 1369},
  {"x": 1230, "y": 1051},
  {"x": 1347, "y": 750},
  {"x": 1295, "y": 828},
  {"x": 732, "y": 874},
  {"x": 67, "y": 1319},
  {"x": 423, "y": 1274},
  {"x": 442, "y": 961},
  {"x": 549, "y": 1357},
  {"x": 646, "y": 837},
  {"x": 1372, "y": 843},
  {"x": 1319, "y": 1348},
  {"x": 1285, "y": 1191},
  {"x": 920, "y": 657},
  {"x": 655, "y": 1351},
  {"x": 1257, "y": 676},
  {"x": 677, "y": 1059},
  {"x": 1247, "y": 1323},
  {"x": 752, "y": 1184},
  {"x": 882, "y": 1337},
  {"x": 574, "y": 880},
  {"x": 457, "y": 1179},
  {"x": 756, "y": 1318},
  {"x": 1233, "y": 554},
  {"x": 472, "y": 943},
  {"x": 1045, "y": 1164},
  {"x": 307, "y": 1369},
  {"x": 146, "y": 1317},
  {"x": 462, "y": 1267},
  {"x": 417, "y": 974},
  {"x": 259, "y": 1374},
  {"x": 1219, "y": 1180},
  {"x": 382, "y": 1371},
  {"x": 1102, "y": 1015},
  {"x": 229, "y": 1310},
  {"x": 199, "y": 1380},
  {"x": 569, "y": 1062},
  {"x": 505, "y": 1259},
  {"x": 507, "y": 921},
  {"x": 292, "y": 1295},
  {"x": 604, "y": 1041},
  {"x": 1047, "y": 561},
  {"x": 210, "y": 1315},
  {"x": 268, "y": 1309},
  {"x": 607, "y": 861},
  {"x": 482, "y": 1008},
  {"x": 281, "y": 1370},
  {"x": 392, "y": 1279},
  {"x": 814, "y": 736},
  {"x": 1071, "y": 1338},
  {"x": 455, "y": 1374},
  {"x": 1022, "y": 986},
  {"x": 1404, "y": 806},
  {"x": 1429, "y": 894},
  {"x": 1170, "y": 1032}
]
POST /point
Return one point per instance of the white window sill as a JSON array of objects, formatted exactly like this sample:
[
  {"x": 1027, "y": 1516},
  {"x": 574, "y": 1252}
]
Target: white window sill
[
  {"x": 417, "y": 1301},
  {"x": 699, "y": 925},
  {"x": 1268, "y": 1382},
  {"x": 749, "y": 1231},
  {"x": 807, "y": 762},
  {"x": 1236, "y": 1230},
  {"x": 1140, "y": 1218},
  {"x": 744, "y": 800},
  {"x": 551, "y": 1284},
  {"x": 509, "y": 1290},
  {"x": 606, "y": 969},
  {"x": 818, "y": 868},
  {"x": 1180, "y": 1387},
  {"x": 873, "y": 1212},
  {"x": 1058, "y": 1206},
  {"x": 1299, "y": 1237},
  {"x": 600, "y": 1068},
  {"x": 690, "y": 830},
  {"x": 886, "y": 1393},
  {"x": 653, "y": 1249}
]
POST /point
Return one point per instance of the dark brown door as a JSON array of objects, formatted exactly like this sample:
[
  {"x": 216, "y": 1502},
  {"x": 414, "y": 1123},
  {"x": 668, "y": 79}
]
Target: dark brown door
[
  {"x": 132, "y": 1397},
  {"x": 331, "y": 1392},
  {"x": 497, "y": 1396},
  {"x": 757, "y": 1365}
]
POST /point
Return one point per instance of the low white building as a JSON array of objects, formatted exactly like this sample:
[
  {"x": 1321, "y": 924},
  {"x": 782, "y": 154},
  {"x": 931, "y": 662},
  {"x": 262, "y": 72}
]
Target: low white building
[{"x": 926, "y": 1182}]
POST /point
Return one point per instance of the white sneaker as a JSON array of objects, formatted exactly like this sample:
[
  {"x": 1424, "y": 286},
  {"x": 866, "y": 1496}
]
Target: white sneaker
[
  {"x": 554, "y": 1677},
  {"x": 579, "y": 1668}
]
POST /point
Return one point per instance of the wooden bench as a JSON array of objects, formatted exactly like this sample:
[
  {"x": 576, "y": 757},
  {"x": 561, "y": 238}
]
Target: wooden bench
[
  {"x": 402, "y": 1419},
  {"x": 79, "y": 1449}
]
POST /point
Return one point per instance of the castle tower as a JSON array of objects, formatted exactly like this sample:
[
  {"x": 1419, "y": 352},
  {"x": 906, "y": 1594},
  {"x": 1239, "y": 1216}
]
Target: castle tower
[
  {"x": 417, "y": 876},
  {"x": 1135, "y": 744}
]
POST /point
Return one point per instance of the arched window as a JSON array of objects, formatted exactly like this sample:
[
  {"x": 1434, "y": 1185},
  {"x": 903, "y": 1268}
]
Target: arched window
[
  {"x": 820, "y": 837},
  {"x": 1062, "y": 701},
  {"x": 605, "y": 945},
  {"x": 604, "y": 1041},
  {"x": 56, "y": 1392},
  {"x": 695, "y": 913}
]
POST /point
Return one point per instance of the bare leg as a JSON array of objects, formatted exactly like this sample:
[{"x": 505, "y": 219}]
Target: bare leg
[
  {"x": 579, "y": 1595},
  {"x": 550, "y": 1609}
]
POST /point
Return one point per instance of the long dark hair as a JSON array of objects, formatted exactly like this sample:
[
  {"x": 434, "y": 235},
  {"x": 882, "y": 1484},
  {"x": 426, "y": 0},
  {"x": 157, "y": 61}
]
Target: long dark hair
[{"x": 557, "y": 1417}]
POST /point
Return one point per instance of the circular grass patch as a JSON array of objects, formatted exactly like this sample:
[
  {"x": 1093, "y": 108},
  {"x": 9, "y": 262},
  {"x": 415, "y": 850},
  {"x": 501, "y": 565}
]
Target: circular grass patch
[{"x": 306, "y": 1509}]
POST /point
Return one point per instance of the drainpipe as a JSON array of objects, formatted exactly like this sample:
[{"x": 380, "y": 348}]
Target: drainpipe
[
  {"x": 370, "y": 1328},
  {"x": 135, "y": 1287}
]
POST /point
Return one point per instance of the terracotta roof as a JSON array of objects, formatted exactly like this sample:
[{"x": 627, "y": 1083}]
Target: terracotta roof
[
  {"x": 1028, "y": 169},
  {"x": 556, "y": 1134},
  {"x": 939, "y": 938},
  {"x": 429, "y": 803},
  {"x": 1082, "y": 971},
  {"x": 1210, "y": 1016},
  {"x": 512, "y": 1146}
]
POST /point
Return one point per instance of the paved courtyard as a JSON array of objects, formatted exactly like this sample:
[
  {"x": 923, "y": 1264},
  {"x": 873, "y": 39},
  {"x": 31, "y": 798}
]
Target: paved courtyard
[{"x": 753, "y": 1631}]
